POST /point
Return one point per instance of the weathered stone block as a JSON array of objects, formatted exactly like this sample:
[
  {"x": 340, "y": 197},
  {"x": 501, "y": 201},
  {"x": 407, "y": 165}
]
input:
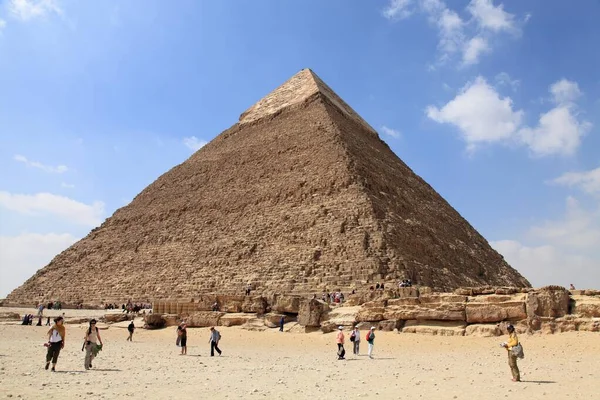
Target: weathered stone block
[
  {"x": 204, "y": 319},
  {"x": 495, "y": 312},
  {"x": 285, "y": 303},
  {"x": 235, "y": 319},
  {"x": 441, "y": 328},
  {"x": 371, "y": 314},
  {"x": 548, "y": 302},
  {"x": 154, "y": 321},
  {"x": 483, "y": 330},
  {"x": 587, "y": 306},
  {"x": 311, "y": 312}
]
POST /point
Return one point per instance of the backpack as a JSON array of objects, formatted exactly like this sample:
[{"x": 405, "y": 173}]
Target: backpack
[
  {"x": 219, "y": 333},
  {"x": 352, "y": 337},
  {"x": 368, "y": 336}
]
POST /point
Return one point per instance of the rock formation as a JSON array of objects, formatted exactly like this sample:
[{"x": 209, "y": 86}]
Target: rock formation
[{"x": 298, "y": 196}]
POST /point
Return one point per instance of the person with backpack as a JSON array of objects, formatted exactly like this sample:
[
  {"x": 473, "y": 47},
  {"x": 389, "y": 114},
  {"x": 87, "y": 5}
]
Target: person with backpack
[
  {"x": 340, "y": 343},
  {"x": 215, "y": 337},
  {"x": 514, "y": 350},
  {"x": 355, "y": 339},
  {"x": 92, "y": 337},
  {"x": 131, "y": 328},
  {"x": 371, "y": 340}
]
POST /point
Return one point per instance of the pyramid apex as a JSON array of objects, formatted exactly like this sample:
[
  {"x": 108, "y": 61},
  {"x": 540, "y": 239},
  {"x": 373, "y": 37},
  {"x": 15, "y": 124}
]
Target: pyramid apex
[{"x": 298, "y": 88}]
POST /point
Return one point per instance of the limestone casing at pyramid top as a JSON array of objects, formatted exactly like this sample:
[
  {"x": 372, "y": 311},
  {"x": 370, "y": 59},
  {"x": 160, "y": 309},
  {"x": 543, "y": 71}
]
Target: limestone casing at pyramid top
[{"x": 294, "y": 91}]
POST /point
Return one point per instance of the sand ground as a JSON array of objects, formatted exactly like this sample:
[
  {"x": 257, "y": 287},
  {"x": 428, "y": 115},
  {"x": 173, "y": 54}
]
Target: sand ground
[{"x": 288, "y": 365}]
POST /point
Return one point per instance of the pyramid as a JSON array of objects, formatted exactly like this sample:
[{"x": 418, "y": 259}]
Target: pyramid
[{"x": 299, "y": 196}]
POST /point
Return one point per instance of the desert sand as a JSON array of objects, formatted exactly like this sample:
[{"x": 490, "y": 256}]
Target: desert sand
[{"x": 272, "y": 364}]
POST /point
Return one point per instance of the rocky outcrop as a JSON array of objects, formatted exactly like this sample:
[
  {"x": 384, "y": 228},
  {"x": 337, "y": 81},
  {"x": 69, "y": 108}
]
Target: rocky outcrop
[
  {"x": 550, "y": 301},
  {"x": 154, "y": 321},
  {"x": 235, "y": 319},
  {"x": 204, "y": 319},
  {"x": 441, "y": 328},
  {"x": 311, "y": 312},
  {"x": 273, "y": 320},
  {"x": 112, "y": 318}
]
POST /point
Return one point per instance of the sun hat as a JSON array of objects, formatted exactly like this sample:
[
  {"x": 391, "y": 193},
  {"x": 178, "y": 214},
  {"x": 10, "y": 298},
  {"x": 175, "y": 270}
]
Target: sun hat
[
  {"x": 340, "y": 327},
  {"x": 373, "y": 328}
]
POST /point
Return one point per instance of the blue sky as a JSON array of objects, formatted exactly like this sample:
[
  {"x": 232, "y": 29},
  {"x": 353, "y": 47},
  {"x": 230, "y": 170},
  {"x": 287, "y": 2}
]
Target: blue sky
[{"x": 495, "y": 104}]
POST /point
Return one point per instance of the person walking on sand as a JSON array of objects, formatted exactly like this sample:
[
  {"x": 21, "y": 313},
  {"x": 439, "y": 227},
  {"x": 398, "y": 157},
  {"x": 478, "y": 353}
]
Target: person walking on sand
[
  {"x": 56, "y": 342},
  {"x": 355, "y": 338},
  {"x": 215, "y": 337},
  {"x": 281, "y": 322},
  {"x": 182, "y": 335},
  {"x": 340, "y": 343},
  {"x": 130, "y": 328},
  {"x": 513, "y": 341},
  {"x": 92, "y": 337},
  {"x": 371, "y": 340}
]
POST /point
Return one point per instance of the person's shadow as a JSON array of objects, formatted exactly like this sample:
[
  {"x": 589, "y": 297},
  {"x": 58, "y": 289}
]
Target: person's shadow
[{"x": 538, "y": 381}]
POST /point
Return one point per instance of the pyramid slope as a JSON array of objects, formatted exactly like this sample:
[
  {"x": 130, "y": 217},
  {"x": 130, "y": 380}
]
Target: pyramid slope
[{"x": 296, "y": 199}]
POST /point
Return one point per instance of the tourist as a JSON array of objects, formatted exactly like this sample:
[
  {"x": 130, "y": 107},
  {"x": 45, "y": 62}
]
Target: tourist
[
  {"x": 355, "y": 338},
  {"x": 340, "y": 343},
  {"x": 248, "y": 289},
  {"x": 513, "y": 341},
  {"x": 377, "y": 286},
  {"x": 182, "y": 336},
  {"x": 48, "y": 322},
  {"x": 215, "y": 337},
  {"x": 381, "y": 287},
  {"x": 571, "y": 287},
  {"x": 371, "y": 340},
  {"x": 56, "y": 342},
  {"x": 281, "y": 322},
  {"x": 40, "y": 311},
  {"x": 131, "y": 328},
  {"x": 92, "y": 337},
  {"x": 39, "y": 323}
]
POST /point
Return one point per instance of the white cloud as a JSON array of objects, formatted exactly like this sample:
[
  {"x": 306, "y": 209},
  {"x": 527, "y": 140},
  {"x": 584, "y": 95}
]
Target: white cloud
[
  {"x": 398, "y": 9},
  {"x": 50, "y": 204},
  {"x": 589, "y": 181},
  {"x": 565, "y": 91},
  {"x": 193, "y": 143},
  {"x": 563, "y": 251},
  {"x": 21, "y": 256},
  {"x": 26, "y": 10},
  {"x": 491, "y": 17},
  {"x": 67, "y": 185},
  {"x": 391, "y": 132},
  {"x": 558, "y": 132},
  {"x": 578, "y": 230},
  {"x": 47, "y": 168},
  {"x": 468, "y": 38},
  {"x": 549, "y": 265},
  {"x": 473, "y": 49},
  {"x": 483, "y": 116},
  {"x": 504, "y": 79}
]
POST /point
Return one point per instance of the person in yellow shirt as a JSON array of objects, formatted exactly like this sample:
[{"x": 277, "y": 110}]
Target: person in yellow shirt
[{"x": 513, "y": 340}]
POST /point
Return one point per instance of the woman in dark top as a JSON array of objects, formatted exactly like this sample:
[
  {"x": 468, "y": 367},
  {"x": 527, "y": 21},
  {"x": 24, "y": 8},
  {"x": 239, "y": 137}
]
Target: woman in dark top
[{"x": 182, "y": 334}]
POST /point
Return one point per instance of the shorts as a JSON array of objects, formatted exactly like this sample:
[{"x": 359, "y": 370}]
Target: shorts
[{"x": 183, "y": 342}]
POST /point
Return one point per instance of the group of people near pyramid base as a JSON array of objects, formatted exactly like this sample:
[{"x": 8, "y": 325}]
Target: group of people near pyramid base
[
  {"x": 93, "y": 343},
  {"x": 214, "y": 339},
  {"x": 355, "y": 339},
  {"x": 513, "y": 347}
]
